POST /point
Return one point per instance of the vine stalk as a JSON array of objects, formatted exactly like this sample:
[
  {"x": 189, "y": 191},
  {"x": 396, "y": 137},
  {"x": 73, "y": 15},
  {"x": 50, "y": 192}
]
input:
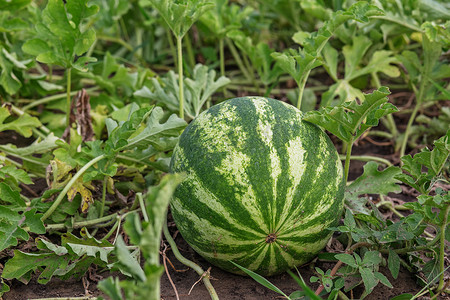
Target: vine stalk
[
  {"x": 180, "y": 75},
  {"x": 191, "y": 264}
]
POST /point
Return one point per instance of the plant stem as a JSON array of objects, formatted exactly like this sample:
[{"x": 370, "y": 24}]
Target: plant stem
[
  {"x": 407, "y": 130},
  {"x": 442, "y": 249},
  {"x": 222, "y": 69},
  {"x": 53, "y": 98},
  {"x": 339, "y": 263},
  {"x": 191, "y": 264},
  {"x": 172, "y": 47},
  {"x": 190, "y": 52},
  {"x": 238, "y": 59},
  {"x": 68, "y": 97},
  {"x": 398, "y": 21},
  {"x": 69, "y": 185},
  {"x": 347, "y": 159},
  {"x": 367, "y": 158},
  {"x": 111, "y": 231},
  {"x": 301, "y": 89},
  {"x": 105, "y": 183},
  {"x": 380, "y": 133},
  {"x": 142, "y": 204},
  {"x": 82, "y": 223},
  {"x": 180, "y": 75}
]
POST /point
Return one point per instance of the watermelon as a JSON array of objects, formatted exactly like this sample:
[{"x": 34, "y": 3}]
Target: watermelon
[{"x": 262, "y": 186}]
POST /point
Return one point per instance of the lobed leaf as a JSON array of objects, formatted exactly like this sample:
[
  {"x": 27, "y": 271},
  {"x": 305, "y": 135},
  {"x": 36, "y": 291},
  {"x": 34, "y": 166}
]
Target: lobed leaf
[
  {"x": 348, "y": 121},
  {"x": 434, "y": 161},
  {"x": 180, "y": 15},
  {"x": 371, "y": 181},
  {"x": 23, "y": 124},
  {"x": 299, "y": 63},
  {"x": 59, "y": 34},
  {"x": 196, "y": 90}
]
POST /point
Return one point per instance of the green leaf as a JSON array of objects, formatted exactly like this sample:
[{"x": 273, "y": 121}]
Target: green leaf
[
  {"x": 299, "y": 63},
  {"x": 157, "y": 201},
  {"x": 111, "y": 287},
  {"x": 347, "y": 259},
  {"x": 127, "y": 262},
  {"x": 155, "y": 133},
  {"x": 60, "y": 35},
  {"x": 110, "y": 11},
  {"x": 180, "y": 15},
  {"x": 348, "y": 121},
  {"x": 369, "y": 279},
  {"x": 6, "y": 5},
  {"x": 431, "y": 270},
  {"x": 383, "y": 279},
  {"x": 11, "y": 219},
  {"x": 260, "y": 56},
  {"x": 371, "y": 258},
  {"x": 4, "y": 288},
  {"x": 224, "y": 17},
  {"x": 354, "y": 54},
  {"x": 23, "y": 124},
  {"x": 394, "y": 263},
  {"x": 37, "y": 147},
  {"x": 433, "y": 161},
  {"x": 196, "y": 90},
  {"x": 133, "y": 228},
  {"x": 36, "y": 47},
  {"x": 24, "y": 263},
  {"x": 349, "y": 220},
  {"x": 371, "y": 181},
  {"x": 261, "y": 280},
  {"x": 18, "y": 175},
  {"x": 308, "y": 292},
  {"x": 87, "y": 246},
  {"x": 113, "y": 75},
  {"x": 33, "y": 221},
  {"x": 403, "y": 297}
]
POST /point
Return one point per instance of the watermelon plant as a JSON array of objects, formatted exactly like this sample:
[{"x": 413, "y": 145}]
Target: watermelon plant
[{"x": 92, "y": 151}]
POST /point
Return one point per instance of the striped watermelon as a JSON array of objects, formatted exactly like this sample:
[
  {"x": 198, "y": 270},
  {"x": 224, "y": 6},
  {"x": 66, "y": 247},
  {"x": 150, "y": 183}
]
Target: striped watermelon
[{"x": 262, "y": 186}]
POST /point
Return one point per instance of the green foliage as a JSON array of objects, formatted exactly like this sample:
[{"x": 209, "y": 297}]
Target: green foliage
[
  {"x": 180, "y": 15},
  {"x": 14, "y": 216},
  {"x": 433, "y": 160},
  {"x": 360, "y": 45},
  {"x": 350, "y": 120},
  {"x": 260, "y": 56},
  {"x": 60, "y": 38},
  {"x": 224, "y": 17},
  {"x": 11, "y": 67},
  {"x": 197, "y": 90},
  {"x": 23, "y": 124},
  {"x": 146, "y": 236},
  {"x": 381, "y": 61},
  {"x": 71, "y": 259},
  {"x": 299, "y": 63},
  {"x": 371, "y": 181}
]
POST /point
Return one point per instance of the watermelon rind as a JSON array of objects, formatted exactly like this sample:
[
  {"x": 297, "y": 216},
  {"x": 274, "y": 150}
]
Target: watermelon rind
[{"x": 262, "y": 186}]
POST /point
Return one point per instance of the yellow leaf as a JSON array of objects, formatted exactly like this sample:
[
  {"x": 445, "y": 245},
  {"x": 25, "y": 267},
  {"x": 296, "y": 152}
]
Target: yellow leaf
[{"x": 86, "y": 195}]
